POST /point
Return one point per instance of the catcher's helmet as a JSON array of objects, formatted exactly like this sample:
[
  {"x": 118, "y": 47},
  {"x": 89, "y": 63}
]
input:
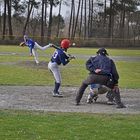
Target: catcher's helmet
[
  {"x": 102, "y": 51},
  {"x": 65, "y": 44}
]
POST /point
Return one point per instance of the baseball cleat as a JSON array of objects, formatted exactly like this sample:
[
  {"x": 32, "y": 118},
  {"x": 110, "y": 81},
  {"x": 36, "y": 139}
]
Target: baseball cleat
[
  {"x": 120, "y": 105},
  {"x": 110, "y": 102},
  {"x": 89, "y": 99},
  {"x": 57, "y": 94}
]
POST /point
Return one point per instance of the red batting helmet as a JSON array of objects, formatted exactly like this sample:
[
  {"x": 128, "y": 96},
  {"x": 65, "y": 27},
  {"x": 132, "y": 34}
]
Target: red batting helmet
[{"x": 65, "y": 44}]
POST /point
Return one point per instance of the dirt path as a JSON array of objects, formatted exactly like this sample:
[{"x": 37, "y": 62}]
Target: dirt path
[{"x": 40, "y": 98}]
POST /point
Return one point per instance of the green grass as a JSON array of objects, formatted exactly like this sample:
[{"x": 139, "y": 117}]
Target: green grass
[
  {"x": 28, "y": 125},
  {"x": 72, "y": 74},
  {"x": 84, "y": 51},
  {"x": 67, "y": 126}
]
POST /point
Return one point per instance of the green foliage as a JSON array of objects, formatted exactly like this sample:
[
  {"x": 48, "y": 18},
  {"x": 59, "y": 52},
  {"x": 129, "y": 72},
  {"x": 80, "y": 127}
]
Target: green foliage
[{"x": 67, "y": 126}]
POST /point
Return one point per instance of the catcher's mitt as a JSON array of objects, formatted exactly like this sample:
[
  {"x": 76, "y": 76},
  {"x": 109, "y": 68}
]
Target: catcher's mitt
[{"x": 22, "y": 44}]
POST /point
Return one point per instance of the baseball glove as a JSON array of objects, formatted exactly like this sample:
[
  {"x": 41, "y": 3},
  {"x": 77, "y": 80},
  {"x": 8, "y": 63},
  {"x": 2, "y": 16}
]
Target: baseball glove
[{"x": 22, "y": 44}]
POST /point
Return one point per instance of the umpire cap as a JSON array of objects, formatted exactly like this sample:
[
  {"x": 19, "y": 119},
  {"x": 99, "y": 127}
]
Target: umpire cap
[{"x": 102, "y": 51}]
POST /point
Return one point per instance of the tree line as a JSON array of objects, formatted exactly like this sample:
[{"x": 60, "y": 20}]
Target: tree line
[{"x": 86, "y": 19}]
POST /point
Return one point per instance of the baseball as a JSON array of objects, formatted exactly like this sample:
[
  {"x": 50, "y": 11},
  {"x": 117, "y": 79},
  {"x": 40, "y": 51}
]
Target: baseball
[{"x": 73, "y": 44}]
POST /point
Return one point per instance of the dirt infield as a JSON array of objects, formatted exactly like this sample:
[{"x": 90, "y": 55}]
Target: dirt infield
[{"x": 40, "y": 98}]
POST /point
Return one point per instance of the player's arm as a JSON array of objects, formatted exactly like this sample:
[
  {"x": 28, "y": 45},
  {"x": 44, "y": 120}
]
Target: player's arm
[
  {"x": 67, "y": 56},
  {"x": 90, "y": 66},
  {"x": 64, "y": 59}
]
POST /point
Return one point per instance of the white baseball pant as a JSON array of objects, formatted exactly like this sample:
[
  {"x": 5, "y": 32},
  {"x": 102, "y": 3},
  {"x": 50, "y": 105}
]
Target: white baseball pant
[{"x": 53, "y": 66}]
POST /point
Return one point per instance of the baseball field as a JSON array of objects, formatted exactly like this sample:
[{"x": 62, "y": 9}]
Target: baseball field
[{"x": 29, "y": 112}]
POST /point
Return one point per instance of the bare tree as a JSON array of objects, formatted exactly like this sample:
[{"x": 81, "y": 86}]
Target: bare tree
[
  {"x": 42, "y": 21},
  {"x": 76, "y": 22},
  {"x": 105, "y": 12},
  {"x": 81, "y": 18},
  {"x": 58, "y": 26},
  {"x": 9, "y": 18},
  {"x": 30, "y": 5},
  {"x": 71, "y": 22},
  {"x": 110, "y": 20},
  {"x": 4, "y": 20},
  {"x": 50, "y": 20},
  {"x": 85, "y": 20}
]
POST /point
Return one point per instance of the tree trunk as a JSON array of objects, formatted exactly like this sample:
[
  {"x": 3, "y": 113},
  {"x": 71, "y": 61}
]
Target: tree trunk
[
  {"x": 110, "y": 21},
  {"x": 71, "y": 18},
  {"x": 9, "y": 19},
  {"x": 81, "y": 19},
  {"x": 4, "y": 20},
  {"x": 58, "y": 26},
  {"x": 91, "y": 20},
  {"x": 104, "y": 13},
  {"x": 74, "y": 32},
  {"x": 85, "y": 24},
  {"x": 42, "y": 22},
  {"x": 45, "y": 16},
  {"x": 50, "y": 21},
  {"x": 30, "y": 7}
]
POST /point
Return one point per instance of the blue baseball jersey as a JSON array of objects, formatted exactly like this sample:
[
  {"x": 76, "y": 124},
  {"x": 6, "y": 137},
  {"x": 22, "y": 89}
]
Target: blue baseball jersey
[
  {"x": 60, "y": 57},
  {"x": 30, "y": 43}
]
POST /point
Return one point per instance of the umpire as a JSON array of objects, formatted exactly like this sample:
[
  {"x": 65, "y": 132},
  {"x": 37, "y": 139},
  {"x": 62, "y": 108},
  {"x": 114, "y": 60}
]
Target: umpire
[{"x": 102, "y": 71}]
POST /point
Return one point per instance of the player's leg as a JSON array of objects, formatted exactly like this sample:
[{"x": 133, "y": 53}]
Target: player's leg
[
  {"x": 92, "y": 78},
  {"x": 56, "y": 73},
  {"x": 42, "y": 48},
  {"x": 110, "y": 97},
  {"x": 93, "y": 95},
  {"x": 117, "y": 97},
  {"x": 35, "y": 54}
]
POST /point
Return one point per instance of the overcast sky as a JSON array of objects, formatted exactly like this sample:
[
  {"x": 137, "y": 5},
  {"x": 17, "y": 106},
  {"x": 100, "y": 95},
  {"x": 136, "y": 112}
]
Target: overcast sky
[{"x": 64, "y": 10}]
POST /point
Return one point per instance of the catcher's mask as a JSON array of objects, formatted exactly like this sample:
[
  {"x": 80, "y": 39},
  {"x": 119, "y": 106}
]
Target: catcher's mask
[{"x": 102, "y": 51}]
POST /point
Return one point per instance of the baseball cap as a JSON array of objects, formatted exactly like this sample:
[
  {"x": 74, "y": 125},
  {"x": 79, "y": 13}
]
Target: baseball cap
[{"x": 102, "y": 51}]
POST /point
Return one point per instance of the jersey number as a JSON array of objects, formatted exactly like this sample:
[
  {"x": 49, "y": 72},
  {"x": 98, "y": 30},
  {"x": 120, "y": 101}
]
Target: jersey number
[{"x": 55, "y": 55}]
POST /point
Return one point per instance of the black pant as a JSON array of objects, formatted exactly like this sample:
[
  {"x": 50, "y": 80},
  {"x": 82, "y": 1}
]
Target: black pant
[{"x": 96, "y": 79}]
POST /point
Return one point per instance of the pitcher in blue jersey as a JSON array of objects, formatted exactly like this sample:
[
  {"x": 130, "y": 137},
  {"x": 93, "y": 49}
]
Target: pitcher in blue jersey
[
  {"x": 59, "y": 57},
  {"x": 33, "y": 46}
]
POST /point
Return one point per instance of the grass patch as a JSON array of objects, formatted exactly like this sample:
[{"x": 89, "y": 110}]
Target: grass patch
[
  {"x": 28, "y": 125},
  {"x": 72, "y": 75},
  {"x": 67, "y": 126},
  {"x": 129, "y": 74},
  {"x": 84, "y": 51}
]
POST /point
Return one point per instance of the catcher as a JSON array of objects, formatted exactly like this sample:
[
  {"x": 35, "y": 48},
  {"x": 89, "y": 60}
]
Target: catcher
[
  {"x": 33, "y": 46},
  {"x": 97, "y": 89}
]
